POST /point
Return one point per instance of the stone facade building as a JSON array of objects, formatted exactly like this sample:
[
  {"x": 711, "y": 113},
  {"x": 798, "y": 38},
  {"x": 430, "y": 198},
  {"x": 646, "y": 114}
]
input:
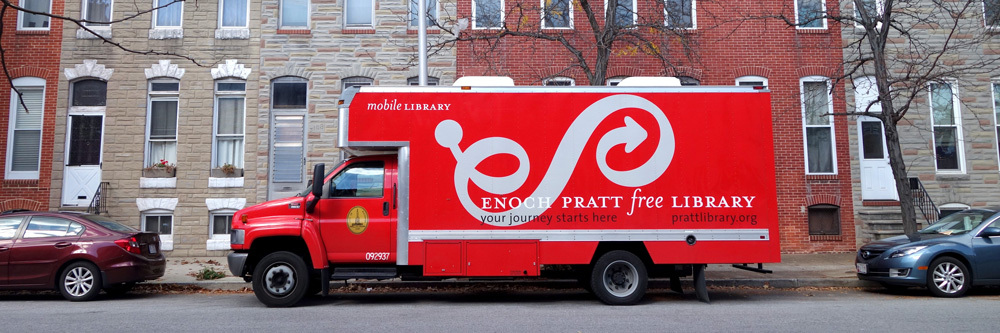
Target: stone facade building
[{"x": 158, "y": 131}]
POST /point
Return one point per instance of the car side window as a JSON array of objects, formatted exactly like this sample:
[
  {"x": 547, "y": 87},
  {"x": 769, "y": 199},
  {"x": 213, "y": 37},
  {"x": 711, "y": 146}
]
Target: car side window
[
  {"x": 8, "y": 226},
  {"x": 46, "y": 226},
  {"x": 359, "y": 180}
]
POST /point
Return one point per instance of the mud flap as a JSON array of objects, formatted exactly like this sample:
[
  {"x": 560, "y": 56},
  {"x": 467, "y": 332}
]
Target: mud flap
[{"x": 324, "y": 281}]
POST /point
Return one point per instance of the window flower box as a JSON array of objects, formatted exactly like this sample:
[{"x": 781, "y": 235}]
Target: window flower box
[
  {"x": 222, "y": 173},
  {"x": 161, "y": 169}
]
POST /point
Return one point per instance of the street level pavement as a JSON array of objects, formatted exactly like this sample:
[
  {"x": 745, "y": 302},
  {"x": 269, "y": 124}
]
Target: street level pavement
[{"x": 794, "y": 271}]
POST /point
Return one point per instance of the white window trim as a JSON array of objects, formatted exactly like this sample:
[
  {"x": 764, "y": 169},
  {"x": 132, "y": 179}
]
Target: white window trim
[
  {"x": 343, "y": 82},
  {"x": 160, "y": 96},
  {"x": 694, "y": 16},
  {"x": 156, "y": 14},
  {"x": 281, "y": 17},
  {"x": 217, "y": 241},
  {"x": 993, "y": 92},
  {"x": 83, "y": 15},
  {"x": 547, "y": 81},
  {"x": 503, "y": 18},
  {"x": 833, "y": 130},
  {"x": 635, "y": 13},
  {"x": 247, "y": 17},
  {"x": 215, "y": 118},
  {"x": 371, "y": 17},
  {"x": 880, "y": 7},
  {"x": 437, "y": 15},
  {"x": 571, "y": 10},
  {"x": 166, "y": 240},
  {"x": 959, "y": 135},
  {"x": 823, "y": 20},
  {"x": 20, "y": 18},
  {"x": 23, "y": 82},
  {"x": 751, "y": 78}
]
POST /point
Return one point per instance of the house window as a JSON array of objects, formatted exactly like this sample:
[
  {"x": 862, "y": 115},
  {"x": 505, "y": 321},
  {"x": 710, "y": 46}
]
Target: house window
[
  {"x": 97, "y": 11},
  {"x": 824, "y": 220},
  {"x": 357, "y": 81},
  {"x": 221, "y": 223},
  {"x": 487, "y": 13},
  {"x": 947, "y": 134},
  {"x": 432, "y": 14},
  {"x": 875, "y": 8},
  {"x": 991, "y": 13},
  {"x": 89, "y": 93},
  {"x": 810, "y": 14},
  {"x": 294, "y": 14},
  {"x": 28, "y": 21},
  {"x": 614, "y": 81},
  {"x": 230, "y": 100},
  {"x": 559, "y": 81},
  {"x": 162, "y": 224},
  {"x": 950, "y": 208},
  {"x": 415, "y": 81},
  {"x": 996, "y": 112},
  {"x": 289, "y": 93},
  {"x": 169, "y": 16},
  {"x": 625, "y": 14},
  {"x": 558, "y": 14},
  {"x": 161, "y": 121},
  {"x": 688, "y": 81},
  {"x": 817, "y": 105},
  {"x": 680, "y": 14},
  {"x": 24, "y": 135},
  {"x": 751, "y": 81},
  {"x": 358, "y": 13},
  {"x": 233, "y": 13}
]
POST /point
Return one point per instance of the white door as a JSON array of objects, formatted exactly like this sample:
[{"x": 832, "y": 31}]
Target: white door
[
  {"x": 82, "y": 173},
  {"x": 287, "y": 174},
  {"x": 877, "y": 182}
]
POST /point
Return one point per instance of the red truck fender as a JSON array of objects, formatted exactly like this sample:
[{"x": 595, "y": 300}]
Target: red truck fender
[{"x": 314, "y": 242}]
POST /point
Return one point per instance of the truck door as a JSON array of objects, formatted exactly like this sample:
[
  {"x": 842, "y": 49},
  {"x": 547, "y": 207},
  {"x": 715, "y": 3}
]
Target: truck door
[{"x": 356, "y": 215}]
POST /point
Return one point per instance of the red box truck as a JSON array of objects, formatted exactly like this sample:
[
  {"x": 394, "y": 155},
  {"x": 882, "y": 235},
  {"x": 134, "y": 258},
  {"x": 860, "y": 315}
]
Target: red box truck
[{"x": 614, "y": 184}]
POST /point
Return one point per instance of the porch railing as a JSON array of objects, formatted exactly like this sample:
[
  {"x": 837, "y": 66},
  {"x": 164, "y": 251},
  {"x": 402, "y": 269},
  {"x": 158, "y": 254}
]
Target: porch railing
[
  {"x": 922, "y": 201},
  {"x": 99, "y": 204}
]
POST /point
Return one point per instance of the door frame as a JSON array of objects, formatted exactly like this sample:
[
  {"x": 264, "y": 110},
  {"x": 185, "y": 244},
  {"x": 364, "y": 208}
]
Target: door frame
[{"x": 81, "y": 111}]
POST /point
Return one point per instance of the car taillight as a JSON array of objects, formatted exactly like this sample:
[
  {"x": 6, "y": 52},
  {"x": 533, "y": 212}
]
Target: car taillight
[{"x": 129, "y": 244}]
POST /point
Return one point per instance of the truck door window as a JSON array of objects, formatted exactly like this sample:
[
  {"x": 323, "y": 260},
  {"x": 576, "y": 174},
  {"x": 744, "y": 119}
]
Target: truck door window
[{"x": 359, "y": 180}]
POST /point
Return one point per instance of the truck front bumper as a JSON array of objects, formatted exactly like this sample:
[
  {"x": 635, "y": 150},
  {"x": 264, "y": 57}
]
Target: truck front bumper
[{"x": 237, "y": 261}]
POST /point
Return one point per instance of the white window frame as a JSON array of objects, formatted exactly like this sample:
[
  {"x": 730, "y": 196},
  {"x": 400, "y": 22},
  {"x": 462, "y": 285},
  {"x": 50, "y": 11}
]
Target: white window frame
[
  {"x": 32, "y": 83},
  {"x": 412, "y": 9},
  {"x": 371, "y": 16},
  {"x": 554, "y": 79},
  {"x": 879, "y": 7},
  {"x": 806, "y": 126},
  {"x": 222, "y": 4},
  {"x": 503, "y": 17},
  {"x": 569, "y": 18},
  {"x": 694, "y": 16},
  {"x": 751, "y": 78},
  {"x": 354, "y": 81},
  {"x": 281, "y": 16},
  {"x": 166, "y": 240},
  {"x": 20, "y": 18},
  {"x": 995, "y": 91},
  {"x": 158, "y": 96},
  {"x": 823, "y": 20},
  {"x": 985, "y": 21},
  {"x": 156, "y": 16},
  {"x": 635, "y": 13},
  {"x": 614, "y": 80},
  {"x": 215, "y": 120},
  {"x": 959, "y": 136},
  {"x": 111, "y": 14}
]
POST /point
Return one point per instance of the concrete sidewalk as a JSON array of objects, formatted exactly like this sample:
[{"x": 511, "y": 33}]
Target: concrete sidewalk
[{"x": 794, "y": 270}]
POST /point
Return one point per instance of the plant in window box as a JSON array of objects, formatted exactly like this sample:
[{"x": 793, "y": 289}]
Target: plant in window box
[
  {"x": 161, "y": 169},
  {"x": 227, "y": 170}
]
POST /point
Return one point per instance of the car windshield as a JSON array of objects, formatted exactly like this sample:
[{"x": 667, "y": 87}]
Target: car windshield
[
  {"x": 959, "y": 223},
  {"x": 108, "y": 223}
]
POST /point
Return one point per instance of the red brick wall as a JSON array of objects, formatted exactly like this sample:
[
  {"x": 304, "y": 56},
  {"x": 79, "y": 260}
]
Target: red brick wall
[
  {"x": 30, "y": 54},
  {"x": 720, "y": 52}
]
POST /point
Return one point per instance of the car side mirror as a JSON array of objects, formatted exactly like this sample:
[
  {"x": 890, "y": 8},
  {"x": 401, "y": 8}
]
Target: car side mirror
[
  {"x": 990, "y": 232},
  {"x": 319, "y": 171}
]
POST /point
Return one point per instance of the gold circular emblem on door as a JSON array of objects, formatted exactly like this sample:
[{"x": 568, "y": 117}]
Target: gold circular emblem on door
[{"x": 357, "y": 220}]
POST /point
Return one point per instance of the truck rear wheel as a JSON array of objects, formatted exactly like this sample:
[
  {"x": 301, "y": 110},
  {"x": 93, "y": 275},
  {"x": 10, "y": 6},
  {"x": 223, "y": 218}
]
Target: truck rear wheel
[
  {"x": 619, "y": 278},
  {"x": 281, "y": 279}
]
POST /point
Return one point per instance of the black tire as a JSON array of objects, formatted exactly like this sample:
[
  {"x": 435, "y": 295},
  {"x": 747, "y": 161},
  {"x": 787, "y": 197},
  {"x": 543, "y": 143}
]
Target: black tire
[
  {"x": 948, "y": 277},
  {"x": 619, "y": 278},
  {"x": 281, "y": 279},
  {"x": 119, "y": 289},
  {"x": 79, "y": 282}
]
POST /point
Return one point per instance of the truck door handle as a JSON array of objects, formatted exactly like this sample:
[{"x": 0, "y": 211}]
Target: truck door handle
[
  {"x": 62, "y": 244},
  {"x": 385, "y": 208}
]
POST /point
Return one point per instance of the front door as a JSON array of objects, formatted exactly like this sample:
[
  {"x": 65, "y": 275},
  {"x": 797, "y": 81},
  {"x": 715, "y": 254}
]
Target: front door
[
  {"x": 287, "y": 167},
  {"x": 877, "y": 182},
  {"x": 82, "y": 174},
  {"x": 357, "y": 214}
]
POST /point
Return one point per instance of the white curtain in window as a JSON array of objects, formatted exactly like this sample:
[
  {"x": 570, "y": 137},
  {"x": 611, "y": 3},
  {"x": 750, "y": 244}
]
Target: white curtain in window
[
  {"x": 294, "y": 13},
  {"x": 229, "y": 133},
  {"x": 234, "y": 13},
  {"x": 359, "y": 12},
  {"x": 169, "y": 16},
  {"x": 27, "y": 136},
  {"x": 98, "y": 10}
]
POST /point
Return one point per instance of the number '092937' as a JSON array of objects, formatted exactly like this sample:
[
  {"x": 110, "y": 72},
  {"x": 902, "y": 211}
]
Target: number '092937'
[{"x": 377, "y": 256}]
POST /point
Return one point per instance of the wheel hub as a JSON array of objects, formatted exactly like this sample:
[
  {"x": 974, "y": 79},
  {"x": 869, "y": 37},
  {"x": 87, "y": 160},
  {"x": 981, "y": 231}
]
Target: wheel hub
[{"x": 279, "y": 280}]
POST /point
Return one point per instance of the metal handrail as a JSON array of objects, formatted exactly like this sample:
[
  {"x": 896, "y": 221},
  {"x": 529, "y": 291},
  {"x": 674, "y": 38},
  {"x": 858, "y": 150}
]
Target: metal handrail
[
  {"x": 922, "y": 200},
  {"x": 99, "y": 204}
]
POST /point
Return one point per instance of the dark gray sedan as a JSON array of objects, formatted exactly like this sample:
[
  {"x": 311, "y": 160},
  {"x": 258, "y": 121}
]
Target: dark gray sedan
[{"x": 948, "y": 257}]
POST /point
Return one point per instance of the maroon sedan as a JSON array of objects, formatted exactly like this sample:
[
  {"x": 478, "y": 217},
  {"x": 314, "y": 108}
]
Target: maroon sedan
[{"x": 75, "y": 253}]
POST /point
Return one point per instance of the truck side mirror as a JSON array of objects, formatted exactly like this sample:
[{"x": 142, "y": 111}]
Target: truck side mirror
[
  {"x": 990, "y": 232},
  {"x": 319, "y": 171}
]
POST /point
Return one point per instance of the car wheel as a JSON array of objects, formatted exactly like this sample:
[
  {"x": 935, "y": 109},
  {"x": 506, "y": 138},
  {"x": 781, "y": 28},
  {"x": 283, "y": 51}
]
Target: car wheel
[
  {"x": 619, "y": 278},
  {"x": 80, "y": 281},
  {"x": 119, "y": 289},
  {"x": 281, "y": 279},
  {"x": 948, "y": 277}
]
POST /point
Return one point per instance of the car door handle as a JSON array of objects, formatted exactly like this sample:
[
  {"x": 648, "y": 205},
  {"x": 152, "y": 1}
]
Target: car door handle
[
  {"x": 4, "y": 248},
  {"x": 62, "y": 244}
]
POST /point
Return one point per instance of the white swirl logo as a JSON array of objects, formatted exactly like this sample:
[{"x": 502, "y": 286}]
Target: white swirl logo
[{"x": 449, "y": 133}]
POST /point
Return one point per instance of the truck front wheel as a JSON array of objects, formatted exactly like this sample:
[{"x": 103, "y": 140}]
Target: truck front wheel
[
  {"x": 281, "y": 279},
  {"x": 619, "y": 278}
]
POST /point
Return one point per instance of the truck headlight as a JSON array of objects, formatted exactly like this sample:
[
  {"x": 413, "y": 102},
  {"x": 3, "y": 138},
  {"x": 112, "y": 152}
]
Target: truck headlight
[
  {"x": 236, "y": 236},
  {"x": 907, "y": 251}
]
